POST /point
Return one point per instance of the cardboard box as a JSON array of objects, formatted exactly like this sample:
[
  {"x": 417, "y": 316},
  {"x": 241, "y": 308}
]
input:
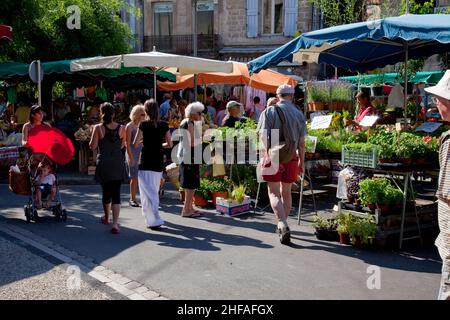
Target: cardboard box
[{"x": 232, "y": 208}]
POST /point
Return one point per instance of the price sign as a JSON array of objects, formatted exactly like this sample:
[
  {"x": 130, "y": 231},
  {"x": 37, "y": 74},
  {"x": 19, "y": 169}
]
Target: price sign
[
  {"x": 368, "y": 121},
  {"x": 429, "y": 127},
  {"x": 321, "y": 122}
]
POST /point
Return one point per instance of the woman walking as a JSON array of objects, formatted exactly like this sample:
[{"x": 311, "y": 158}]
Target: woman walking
[
  {"x": 137, "y": 115},
  {"x": 189, "y": 170},
  {"x": 109, "y": 138},
  {"x": 154, "y": 135}
]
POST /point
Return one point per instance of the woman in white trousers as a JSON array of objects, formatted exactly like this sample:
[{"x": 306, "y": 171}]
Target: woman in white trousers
[{"x": 154, "y": 136}]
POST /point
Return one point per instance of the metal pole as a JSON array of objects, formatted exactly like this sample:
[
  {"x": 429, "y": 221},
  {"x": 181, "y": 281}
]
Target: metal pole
[
  {"x": 194, "y": 40},
  {"x": 407, "y": 7},
  {"x": 406, "y": 80},
  {"x": 39, "y": 82}
]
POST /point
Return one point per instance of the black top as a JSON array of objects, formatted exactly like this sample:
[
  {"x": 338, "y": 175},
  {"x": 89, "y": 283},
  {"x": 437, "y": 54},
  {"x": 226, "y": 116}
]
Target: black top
[
  {"x": 110, "y": 158},
  {"x": 231, "y": 121},
  {"x": 152, "y": 150}
]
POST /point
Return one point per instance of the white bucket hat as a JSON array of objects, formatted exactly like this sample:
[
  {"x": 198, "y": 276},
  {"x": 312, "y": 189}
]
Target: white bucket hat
[{"x": 442, "y": 89}]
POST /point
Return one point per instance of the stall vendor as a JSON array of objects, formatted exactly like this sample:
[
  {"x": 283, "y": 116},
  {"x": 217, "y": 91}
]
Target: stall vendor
[{"x": 365, "y": 107}]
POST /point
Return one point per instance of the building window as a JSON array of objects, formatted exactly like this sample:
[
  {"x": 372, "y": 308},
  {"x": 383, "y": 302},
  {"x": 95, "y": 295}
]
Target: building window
[
  {"x": 272, "y": 16},
  {"x": 205, "y": 17},
  {"x": 162, "y": 18}
]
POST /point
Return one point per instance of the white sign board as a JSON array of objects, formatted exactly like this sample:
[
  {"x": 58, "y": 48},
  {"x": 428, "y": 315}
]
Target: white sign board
[
  {"x": 321, "y": 122},
  {"x": 429, "y": 126},
  {"x": 368, "y": 121},
  {"x": 311, "y": 146}
]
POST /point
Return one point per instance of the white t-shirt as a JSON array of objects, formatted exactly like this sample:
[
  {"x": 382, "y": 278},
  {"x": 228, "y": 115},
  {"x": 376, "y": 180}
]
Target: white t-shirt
[{"x": 50, "y": 179}]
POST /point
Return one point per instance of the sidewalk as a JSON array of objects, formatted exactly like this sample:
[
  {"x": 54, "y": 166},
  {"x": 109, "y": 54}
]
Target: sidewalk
[{"x": 28, "y": 273}]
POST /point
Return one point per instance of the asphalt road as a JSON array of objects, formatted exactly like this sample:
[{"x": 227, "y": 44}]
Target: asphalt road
[{"x": 217, "y": 257}]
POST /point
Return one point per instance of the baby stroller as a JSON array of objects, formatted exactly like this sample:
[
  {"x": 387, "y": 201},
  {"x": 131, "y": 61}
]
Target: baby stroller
[
  {"x": 48, "y": 146},
  {"x": 34, "y": 165}
]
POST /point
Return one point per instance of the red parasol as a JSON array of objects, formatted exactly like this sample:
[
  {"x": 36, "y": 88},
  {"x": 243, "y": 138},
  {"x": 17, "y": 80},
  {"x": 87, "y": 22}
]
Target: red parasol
[
  {"x": 5, "y": 32},
  {"x": 52, "y": 142}
]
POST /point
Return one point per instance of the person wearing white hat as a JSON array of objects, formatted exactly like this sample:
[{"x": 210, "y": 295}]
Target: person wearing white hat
[
  {"x": 233, "y": 114},
  {"x": 441, "y": 97},
  {"x": 290, "y": 121}
]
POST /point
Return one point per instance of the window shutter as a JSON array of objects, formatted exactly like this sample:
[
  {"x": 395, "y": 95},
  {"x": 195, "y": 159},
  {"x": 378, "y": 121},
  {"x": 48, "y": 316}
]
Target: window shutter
[
  {"x": 252, "y": 18},
  {"x": 290, "y": 17}
]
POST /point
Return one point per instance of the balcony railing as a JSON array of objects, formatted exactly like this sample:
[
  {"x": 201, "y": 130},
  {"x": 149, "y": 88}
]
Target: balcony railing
[{"x": 182, "y": 44}]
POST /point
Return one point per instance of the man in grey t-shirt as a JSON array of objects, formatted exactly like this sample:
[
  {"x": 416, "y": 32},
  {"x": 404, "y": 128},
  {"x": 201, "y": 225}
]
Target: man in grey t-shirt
[{"x": 280, "y": 182}]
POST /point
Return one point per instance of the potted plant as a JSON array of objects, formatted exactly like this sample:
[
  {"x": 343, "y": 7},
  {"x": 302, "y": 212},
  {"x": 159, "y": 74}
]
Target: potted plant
[
  {"x": 318, "y": 94},
  {"x": 363, "y": 231},
  {"x": 219, "y": 188},
  {"x": 377, "y": 85},
  {"x": 341, "y": 95},
  {"x": 371, "y": 192},
  {"x": 343, "y": 222},
  {"x": 325, "y": 228},
  {"x": 201, "y": 194}
]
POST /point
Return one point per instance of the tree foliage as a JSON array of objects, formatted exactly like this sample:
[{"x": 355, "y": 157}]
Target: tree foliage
[
  {"x": 339, "y": 12},
  {"x": 40, "y": 29}
]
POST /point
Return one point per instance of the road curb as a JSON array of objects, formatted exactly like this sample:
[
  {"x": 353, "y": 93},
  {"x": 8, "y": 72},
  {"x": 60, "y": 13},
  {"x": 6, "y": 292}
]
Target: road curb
[{"x": 117, "y": 282}]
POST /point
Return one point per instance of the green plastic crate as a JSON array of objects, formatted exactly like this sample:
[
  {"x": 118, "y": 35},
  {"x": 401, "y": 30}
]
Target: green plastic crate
[{"x": 360, "y": 158}]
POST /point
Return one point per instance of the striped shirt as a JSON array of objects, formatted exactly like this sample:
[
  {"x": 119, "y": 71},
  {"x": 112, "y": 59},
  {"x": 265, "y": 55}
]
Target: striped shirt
[{"x": 443, "y": 195}]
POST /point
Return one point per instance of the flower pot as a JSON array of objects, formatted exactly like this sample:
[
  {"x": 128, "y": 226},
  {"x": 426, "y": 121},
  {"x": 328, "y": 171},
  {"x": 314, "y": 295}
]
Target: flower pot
[
  {"x": 357, "y": 241},
  {"x": 346, "y": 105},
  {"x": 321, "y": 234},
  {"x": 344, "y": 238},
  {"x": 335, "y": 106},
  {"x": 215, "y": 194},
  {"x": 316, "y": 106},
  {"x": 421, "y": 161},
  {"x": 372, "y": 207},
  {"x": 406, "y": 161},
  {"x": 200, "y": 201},
  {"x": 182, "y": 195},
  {"x": 383, "y": 207}
]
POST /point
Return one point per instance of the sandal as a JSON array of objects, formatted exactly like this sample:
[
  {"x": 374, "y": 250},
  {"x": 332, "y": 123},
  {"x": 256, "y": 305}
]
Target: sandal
[
  {"x": 156, "y": 228},
  {"x": 115, "y": 230},
  {"x": 193, "y": 215},
  {"x": 104, "y": 220},
  {"x": 134, "y": 204}
]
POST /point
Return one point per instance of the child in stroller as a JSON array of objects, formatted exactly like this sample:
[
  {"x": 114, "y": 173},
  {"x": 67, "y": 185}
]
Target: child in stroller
[
  {"x": 45, "y": 185},
  {"x": 44, "y": 188}
]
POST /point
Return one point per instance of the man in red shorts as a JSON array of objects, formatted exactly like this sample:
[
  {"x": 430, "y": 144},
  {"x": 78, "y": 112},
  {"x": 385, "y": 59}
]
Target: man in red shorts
[{"x": 290, "y": 123}]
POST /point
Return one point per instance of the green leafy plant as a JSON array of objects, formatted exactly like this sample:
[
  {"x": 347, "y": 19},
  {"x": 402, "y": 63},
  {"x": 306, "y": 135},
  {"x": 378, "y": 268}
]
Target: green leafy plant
[
  {"x": 344, "y": 220},
  {"x": 318, "y": 92},
  {"x": 204, "y": 189},
  {"x": 393, "y": 195},
  {"x": 238, "y": 193},
  {"x": 365, "y": 228},
  {"x": 323, "y": 223},
  {"x": 372, "y": 191}
]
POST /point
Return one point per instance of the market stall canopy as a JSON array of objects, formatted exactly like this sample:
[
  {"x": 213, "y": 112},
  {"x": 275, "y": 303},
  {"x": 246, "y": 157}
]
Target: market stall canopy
[
  {"x": 428, "y": 77},
  {"x": 154, "y": 59},
  {"x": 367, "y": 45},
  {"x": 5, "y": 32},
  {"x": 15, "y": 69},
  {"x": 266, "y": 80}
]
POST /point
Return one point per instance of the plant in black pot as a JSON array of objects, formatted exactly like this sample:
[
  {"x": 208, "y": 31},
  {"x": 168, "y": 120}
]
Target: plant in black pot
[{"x": 325, "y": 228}]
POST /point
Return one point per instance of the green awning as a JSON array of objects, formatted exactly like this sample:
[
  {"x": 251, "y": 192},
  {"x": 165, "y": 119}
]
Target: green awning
[
  {"x": 15, "y": 69},
  {"x": 428, "y": 77}
]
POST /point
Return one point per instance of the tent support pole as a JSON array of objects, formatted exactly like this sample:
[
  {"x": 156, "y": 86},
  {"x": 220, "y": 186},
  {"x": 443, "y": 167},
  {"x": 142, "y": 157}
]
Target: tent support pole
[
  {"x": 154, "y": 83},
  {"x": 405, "y": 103},
  {"x": 195, "y": 87}
]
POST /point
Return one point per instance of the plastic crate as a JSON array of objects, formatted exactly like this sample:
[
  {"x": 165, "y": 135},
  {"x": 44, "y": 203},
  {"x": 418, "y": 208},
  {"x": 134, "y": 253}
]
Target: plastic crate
[{"x": 360, "y": 158}]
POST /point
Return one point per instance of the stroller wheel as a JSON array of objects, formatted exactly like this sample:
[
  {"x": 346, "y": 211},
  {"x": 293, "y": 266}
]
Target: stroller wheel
[
  {"x": 64, "y": 215},
  {"x": 27, "y": 211},
  {"x": 35, "y": 216},
  {"x": 57, "y": 213}
]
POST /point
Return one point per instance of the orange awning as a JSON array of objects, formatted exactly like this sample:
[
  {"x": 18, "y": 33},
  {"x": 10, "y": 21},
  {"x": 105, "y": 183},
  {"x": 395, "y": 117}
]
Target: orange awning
[{"x": 266, "y": 80}]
